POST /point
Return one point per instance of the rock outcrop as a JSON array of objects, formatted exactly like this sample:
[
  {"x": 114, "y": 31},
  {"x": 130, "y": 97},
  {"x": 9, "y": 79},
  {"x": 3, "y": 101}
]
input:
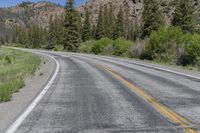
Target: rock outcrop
[
  {"x": 132, "y": 8},
  {"x": 28, "y": 13}
]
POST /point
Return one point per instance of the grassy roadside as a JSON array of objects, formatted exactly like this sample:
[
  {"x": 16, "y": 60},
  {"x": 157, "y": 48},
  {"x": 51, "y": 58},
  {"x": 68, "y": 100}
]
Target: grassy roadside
[{"x": 15, "y": 66}]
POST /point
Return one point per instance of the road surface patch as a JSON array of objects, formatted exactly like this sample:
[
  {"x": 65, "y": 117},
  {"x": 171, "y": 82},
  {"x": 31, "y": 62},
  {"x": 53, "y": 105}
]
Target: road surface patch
[{"x": 164, "y": 110}]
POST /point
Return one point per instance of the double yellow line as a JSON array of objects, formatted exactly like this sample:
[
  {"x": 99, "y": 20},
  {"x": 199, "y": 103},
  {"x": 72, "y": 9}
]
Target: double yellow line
[{"x": 164, "y": 110}]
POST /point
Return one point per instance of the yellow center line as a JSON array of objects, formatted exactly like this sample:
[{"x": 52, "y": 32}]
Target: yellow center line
[{"x": 164, "y": 110}]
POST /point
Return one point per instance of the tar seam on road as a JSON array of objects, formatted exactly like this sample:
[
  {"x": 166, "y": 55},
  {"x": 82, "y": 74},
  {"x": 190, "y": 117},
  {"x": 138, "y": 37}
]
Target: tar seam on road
[
  {"x": 164, "y": 110},
  {"x": 23, "y": 116}
]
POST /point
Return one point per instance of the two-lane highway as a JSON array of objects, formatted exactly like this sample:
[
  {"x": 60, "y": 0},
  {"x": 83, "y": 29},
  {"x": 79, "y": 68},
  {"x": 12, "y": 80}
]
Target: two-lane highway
[{"x": 94, "y": 94}]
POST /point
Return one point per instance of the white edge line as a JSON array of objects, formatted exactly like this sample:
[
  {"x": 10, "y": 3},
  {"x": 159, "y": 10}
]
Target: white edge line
[
  {"x": 23, "y": 116},
  {"x": 155, "y": 68},
  {"x": 167, "y": 70},
  {"x": 143, "y": 65}
]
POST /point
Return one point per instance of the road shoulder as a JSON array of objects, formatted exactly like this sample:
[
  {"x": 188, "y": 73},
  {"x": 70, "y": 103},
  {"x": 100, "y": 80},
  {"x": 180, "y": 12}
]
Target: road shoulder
[
  {"x": 9, "y": 111},
  {"x": 151, "y": 64},
  {"x": 173, "y": 68}
]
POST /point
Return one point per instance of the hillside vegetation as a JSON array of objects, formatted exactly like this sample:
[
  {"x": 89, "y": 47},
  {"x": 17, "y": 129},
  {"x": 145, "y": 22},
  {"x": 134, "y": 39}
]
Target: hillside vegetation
[
  {"x": 15, "y": 66},
  {"x": 106, "y": 46},
  {"x": 153, "y": 39},
  {"x": 110, "y": 31},
  {"x": 25, "y": 15}
]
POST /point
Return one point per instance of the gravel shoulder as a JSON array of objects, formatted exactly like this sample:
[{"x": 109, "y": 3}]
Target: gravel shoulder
[{"x": 9, "y": 111}]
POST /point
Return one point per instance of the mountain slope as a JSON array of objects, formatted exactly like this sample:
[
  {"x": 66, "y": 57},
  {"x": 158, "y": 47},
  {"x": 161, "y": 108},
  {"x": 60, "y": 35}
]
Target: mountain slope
[
  {"x": 132, "y": 8},
  {"x": 27, "y": 14}
]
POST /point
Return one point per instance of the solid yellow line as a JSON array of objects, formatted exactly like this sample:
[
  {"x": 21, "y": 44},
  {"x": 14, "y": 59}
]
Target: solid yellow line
[{"x": 165, "y": 111}]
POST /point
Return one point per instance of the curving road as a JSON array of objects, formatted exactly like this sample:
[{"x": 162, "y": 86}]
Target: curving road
[{"x": 96, "y": 94}]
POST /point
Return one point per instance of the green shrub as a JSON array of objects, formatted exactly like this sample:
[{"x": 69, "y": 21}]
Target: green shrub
[
  {"x": 105, "y": 46},
  {"x": 58, "y": 48},
  {"x": 137, "y": 50},
  {"x": 170, "y": 44},
  {"x": 122, "y": 47},
  {"x": 161, "y": 41},
  {"x": 108, "y": 49},
  {"x": 192, "y": 47},
  {"x": 8, "y": 59},
  {"x": 100, "y": 45},
  {"x": 162, "y": 44},
  {"x": 86, "y": 47}
]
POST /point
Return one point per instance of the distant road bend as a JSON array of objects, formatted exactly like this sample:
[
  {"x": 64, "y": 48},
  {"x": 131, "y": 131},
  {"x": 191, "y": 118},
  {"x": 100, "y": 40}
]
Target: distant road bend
[{"x": 97, "y": 94}]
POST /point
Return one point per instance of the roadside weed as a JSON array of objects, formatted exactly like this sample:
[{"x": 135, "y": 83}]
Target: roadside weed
[{"x": 15, "y": 66}]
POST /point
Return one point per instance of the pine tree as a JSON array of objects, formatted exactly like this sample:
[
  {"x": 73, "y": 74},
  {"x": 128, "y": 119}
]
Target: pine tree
[
  {"x": 14, "y": 40},
  {"x": 58, "y": 29},
  {"x": 127, "y": 25},
  {"x": 151, "y": 16},
  {"x": 45, "y": 37},
  {"x": 2, "y": 41},
  {"x": 137, "y": 31},
  {"x": 131, "y": 32},
  {"x": 42, "y": 35},
  {"x": 119, "y": 25},
  {"x": 100, "y": 25},
  {"x": 106, "y": 21},
  {"x": 71, "y": 29},
  {"x": 79, "y": 23},
  {"x": 94, "y": 29},
  {"x": 86, "y": 30},
  {"x": 6, "y": 39},
  {"x": 55, "y": 32},
  {"x": 111, "y": 22},
  {"x": 184, "y": 15},
  {"x": 30, "y": 39},
  {"x": 34, "y": 39},
  {"x": 14, "y": 35},
  {"x": 22, "y": 36},
  {"x": 51, "y": 39}
]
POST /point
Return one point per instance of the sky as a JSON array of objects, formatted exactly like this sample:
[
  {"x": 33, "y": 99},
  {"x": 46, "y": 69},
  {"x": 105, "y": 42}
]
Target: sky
[{"x": 8, "y": 3}]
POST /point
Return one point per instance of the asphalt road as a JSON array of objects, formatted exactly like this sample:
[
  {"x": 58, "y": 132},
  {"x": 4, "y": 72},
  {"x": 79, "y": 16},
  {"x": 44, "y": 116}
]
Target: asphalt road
[{"x": 95, "y": 94}]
